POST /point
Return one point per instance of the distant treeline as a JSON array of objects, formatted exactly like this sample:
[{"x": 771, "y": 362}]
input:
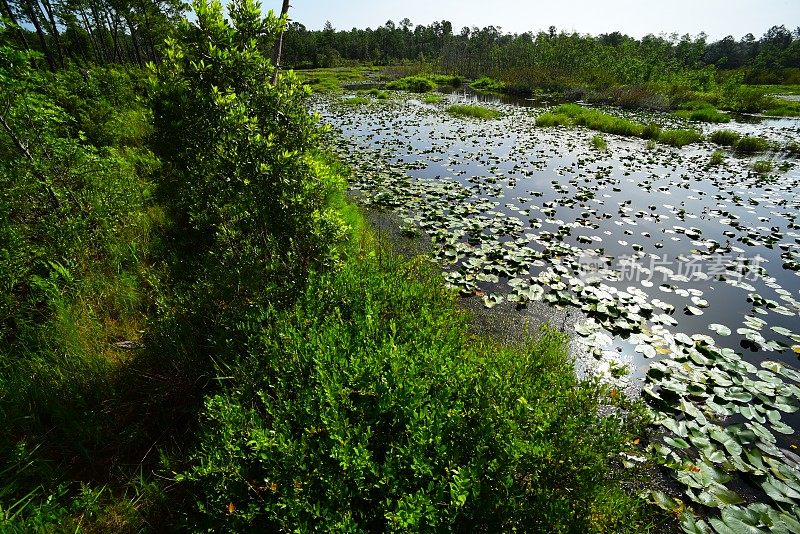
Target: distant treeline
[
  {"x": 98, "y": 32},
  {"x": 611, "y": 58}
]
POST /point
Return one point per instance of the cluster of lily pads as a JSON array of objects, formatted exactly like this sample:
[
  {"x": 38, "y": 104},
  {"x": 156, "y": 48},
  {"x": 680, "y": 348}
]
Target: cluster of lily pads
[{"x": 525, "y": 215}]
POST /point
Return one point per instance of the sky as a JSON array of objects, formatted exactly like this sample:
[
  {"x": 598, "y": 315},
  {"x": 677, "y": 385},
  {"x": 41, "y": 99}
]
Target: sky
[{"x": 637, "y": 18}]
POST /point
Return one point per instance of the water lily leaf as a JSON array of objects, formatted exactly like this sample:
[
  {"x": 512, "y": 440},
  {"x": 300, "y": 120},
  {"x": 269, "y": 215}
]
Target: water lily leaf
[{"x": 720, "y": 329}]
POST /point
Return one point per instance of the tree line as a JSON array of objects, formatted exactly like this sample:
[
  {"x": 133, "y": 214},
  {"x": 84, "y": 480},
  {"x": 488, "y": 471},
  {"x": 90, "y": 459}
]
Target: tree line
[{"x": 772, "y": 58}]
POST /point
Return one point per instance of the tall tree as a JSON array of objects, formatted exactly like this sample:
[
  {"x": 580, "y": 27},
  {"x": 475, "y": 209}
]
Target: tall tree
[{"x": 276, "y": 55}]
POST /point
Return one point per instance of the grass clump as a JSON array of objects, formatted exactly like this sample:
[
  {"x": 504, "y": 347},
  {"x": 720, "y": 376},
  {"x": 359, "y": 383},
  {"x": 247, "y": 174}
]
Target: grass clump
[
  {"x": 702, "y": 112},
  {"x": 412, "y": 84},
  {"x": 550, "y": 119},
  {"x": 487, "y": 84},
  {"x": 433, "y": 99},
  {"x": 717, "y": 158},
  {"x": 368, "y": 407},
  {"x": 477, "y": 112},
  {"x": 377, "y": 93},
  {"x": 763, "y": 167},
  {"x": 750, "y": 144},
  {"x": 784, "y": 110},
  {"x": 725, "y": 137},
  {"x": 355, "y": 101},
  {"x": 651, "y": 131},
  {"x": 599, "y": 142},
  {"x": 679, "y": 138}
]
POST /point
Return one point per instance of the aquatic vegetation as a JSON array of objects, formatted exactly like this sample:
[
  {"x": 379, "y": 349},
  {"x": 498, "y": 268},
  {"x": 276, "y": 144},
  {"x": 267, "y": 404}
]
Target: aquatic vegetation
[
  {"x": 487, "y": 84},
  {"x": 433, "y": 99},
  {"x": 412, "y": 84},
  {"x": 717, "y": 158},
  {"x": 763, "y": 166},
  {"x": 785, "y": 110},
  {"x": 599, "y": 142},
  {"x": 724, "y": 137},
  {"x": 704, "y": 114},
  {"x": 679, "y": 138},
  {"x": 549, "y": 119},
  {"x": 651, "y": 131},
  {"x": 477, "y": 112},
  {"x": 750, "y": 144},
  {"x": 355, "y": 101}
]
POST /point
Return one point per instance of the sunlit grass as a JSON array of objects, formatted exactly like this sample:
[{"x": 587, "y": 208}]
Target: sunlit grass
[{"x": 477, "y": 112}]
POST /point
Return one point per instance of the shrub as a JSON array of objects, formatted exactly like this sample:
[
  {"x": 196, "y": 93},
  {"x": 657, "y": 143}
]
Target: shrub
[
  {"x": 751, "y": 145},
  {"x": 679, "y": 138},
  {"x": 477, "y": 112},
  {"x": 369, "y": 408},
  {"x": 725, "y": 137}
]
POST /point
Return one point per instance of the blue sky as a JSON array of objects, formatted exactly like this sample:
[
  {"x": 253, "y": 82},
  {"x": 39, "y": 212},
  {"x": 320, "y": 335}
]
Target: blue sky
[{"x": 717, "y": 18}]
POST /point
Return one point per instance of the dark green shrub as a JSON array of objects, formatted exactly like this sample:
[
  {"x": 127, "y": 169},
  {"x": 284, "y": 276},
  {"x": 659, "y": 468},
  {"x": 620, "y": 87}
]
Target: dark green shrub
[
  {"x": 487, "y": 84},
  {"x": 369, "y": 408}
]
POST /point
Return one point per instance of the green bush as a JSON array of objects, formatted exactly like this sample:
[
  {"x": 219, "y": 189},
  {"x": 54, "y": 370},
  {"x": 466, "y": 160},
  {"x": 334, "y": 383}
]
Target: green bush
[
  {"x": 751, "y": 145},
  {"x": 413, "y": 84},
  {"x": 725, "y": 137},
  {"x": 477, "y": 112},
  {"x": 369, "y": 408}
]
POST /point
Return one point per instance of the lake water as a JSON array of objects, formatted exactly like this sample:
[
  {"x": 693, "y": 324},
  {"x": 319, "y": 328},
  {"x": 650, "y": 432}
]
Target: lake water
[{"x": 685, "y": 275}]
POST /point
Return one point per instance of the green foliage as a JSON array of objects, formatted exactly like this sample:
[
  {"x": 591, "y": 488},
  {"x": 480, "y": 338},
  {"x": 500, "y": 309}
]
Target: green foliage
[
  {"x": 413, "y": 84},
  {"x": 433, "y": 99},
  {"x": 679, "y": 138},
  {"x": 477, "y": 112},
  {"x": 751, "y": 145},
  {"x": 651, "y": 131},
  {"x": 369, "y": 408},
  {"x": 599, "y": 142},
  {"x": 725, "y": 137},
  {"x": 550, "y": 119},
  {"x": 784, "y": 109},
  {"x": 246, "y": 195}
]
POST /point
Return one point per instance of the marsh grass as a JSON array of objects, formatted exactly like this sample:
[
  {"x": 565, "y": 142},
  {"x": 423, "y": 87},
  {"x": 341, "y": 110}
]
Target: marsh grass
[
  {"x": 477, "y": 112},
  {"x": 704, "y": 114},
  {"x": 412, "y": 84},
  {"x": 763, "y": 167},
  {"x": 751, "y": 145},
  {"x": 356, "y": 101},
  {"x": 487, "y": 84},
  {"x": 599, "y": 142},
  {"x": 679, "y": 138},
  {"x": 725, "y": 137},
  {"x": 717, "y": 158},
  {"x": 433, "y": 99}
]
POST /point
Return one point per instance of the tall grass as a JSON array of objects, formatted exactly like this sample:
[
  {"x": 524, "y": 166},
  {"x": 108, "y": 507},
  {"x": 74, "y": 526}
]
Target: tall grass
[
  {"x": 751, "y": 145},
  {"x": 476, "y": 112}
]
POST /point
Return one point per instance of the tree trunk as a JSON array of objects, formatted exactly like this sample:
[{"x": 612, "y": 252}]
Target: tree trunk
[
  {"x": 56, "y": 35},
  {"x": 13, "y": 20},
  {"x": 29, "y": 11},
  {"x": 276, "y": 56},
  {"x": 138, "y": 53},
  {"x": 99, "y": 57}
]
